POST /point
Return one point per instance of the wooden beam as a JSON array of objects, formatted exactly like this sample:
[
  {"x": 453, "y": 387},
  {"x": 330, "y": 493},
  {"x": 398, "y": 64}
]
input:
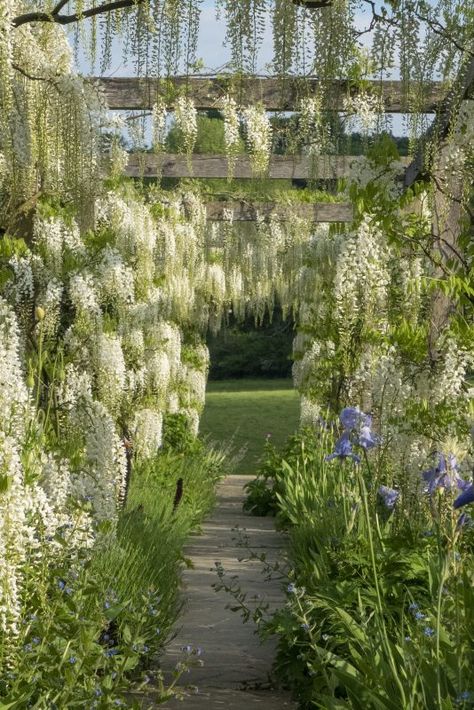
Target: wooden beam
[
  {"x": 313, "y": 4},
  {"x": 284, "y": 167},
  {"x": 126, "y": 93},
  {"x": 445, "y": 119},
  {"x": 248, "y": 212}
]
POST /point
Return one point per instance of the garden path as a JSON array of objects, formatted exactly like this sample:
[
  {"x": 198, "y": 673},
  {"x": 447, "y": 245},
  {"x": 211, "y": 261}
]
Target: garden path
[{"x": 236, "y": 669}]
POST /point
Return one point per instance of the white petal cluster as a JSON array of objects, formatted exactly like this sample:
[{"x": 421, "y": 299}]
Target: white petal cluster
[
  {"x": 314, "y": 132},
  {"x": 259, "y": 137},
  {"x": 110, "y": 371},
  {"x": 450, "y": 381},
  {"x": 147, "y": 430},
  {"x": 361, "y": 280},
  {"x": 83, "y": 295},
  {"x": 186, "y": 121},
  {"x": 365, "y": 108},
  {"x": 231, "y": 131},
  {"x": 159, "y": 114},
  {"x": 115, "y": 280}
]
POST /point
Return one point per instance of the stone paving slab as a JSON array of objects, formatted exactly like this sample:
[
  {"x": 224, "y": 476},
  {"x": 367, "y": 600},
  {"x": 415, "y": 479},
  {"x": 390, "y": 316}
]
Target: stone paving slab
[{"x": 237, "y": 666}]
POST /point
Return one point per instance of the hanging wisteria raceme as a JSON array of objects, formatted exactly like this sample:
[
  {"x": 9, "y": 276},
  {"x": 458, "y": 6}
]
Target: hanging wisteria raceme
[
  {"x": 231, "y": 132},
  {"x": 186, "y": 120},
  {"x": 259, "y": 137},
  {"x": 159, "y": 115},
  {"x": 364, "y": 111}
]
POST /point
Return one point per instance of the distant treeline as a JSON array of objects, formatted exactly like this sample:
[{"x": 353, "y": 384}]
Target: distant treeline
[{"x": 247, "y": 350}]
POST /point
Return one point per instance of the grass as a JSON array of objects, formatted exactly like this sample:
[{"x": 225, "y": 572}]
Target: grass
[{"x": 246, "y": 411}]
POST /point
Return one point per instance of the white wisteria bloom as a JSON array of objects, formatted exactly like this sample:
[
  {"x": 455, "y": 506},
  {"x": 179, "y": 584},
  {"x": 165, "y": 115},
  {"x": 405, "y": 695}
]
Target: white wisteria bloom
[
  {"x": 231, "y": 132},
  {"x": 116, "y": 283},
  {"x": 104, "y": 481},
  {"x": 159, "y": 114},
  {"x": 186, "y": 120},
  {"x": 83, "y": 295},
  {"x": 110, "y": 371},
  {"x": 259, "y": 137},
  {"x": 158, "y": 372},
  {"x": 50, "y": 301},
  {"x": 147, "y": 431},
  {"x": 365, "y": 108}
]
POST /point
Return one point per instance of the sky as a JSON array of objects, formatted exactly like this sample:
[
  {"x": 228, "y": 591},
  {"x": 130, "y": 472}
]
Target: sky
[{"x": 213, "y": 53}]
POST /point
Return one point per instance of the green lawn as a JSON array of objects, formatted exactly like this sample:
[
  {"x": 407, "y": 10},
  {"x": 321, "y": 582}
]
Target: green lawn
[{"x": 246, "y": 411}]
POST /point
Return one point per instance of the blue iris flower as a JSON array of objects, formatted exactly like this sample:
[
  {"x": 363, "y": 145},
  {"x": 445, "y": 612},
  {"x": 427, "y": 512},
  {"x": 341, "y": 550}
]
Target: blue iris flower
[
  {"x": 444, "y": 475},
  {"x": 467, "y": 496},
  {"x": 389, "y": 496},
  {"x": 343, "y": 449},
  {"x": 352, "y": 418},
  {"x": 367, "y": 439}
]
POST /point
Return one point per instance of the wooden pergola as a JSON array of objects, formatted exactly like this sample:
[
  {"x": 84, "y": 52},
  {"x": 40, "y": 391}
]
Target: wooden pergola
[{"x": 125, "y": 93}]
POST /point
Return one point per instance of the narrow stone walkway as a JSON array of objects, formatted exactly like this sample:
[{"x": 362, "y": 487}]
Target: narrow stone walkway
[{"x": 237, "y": 666}]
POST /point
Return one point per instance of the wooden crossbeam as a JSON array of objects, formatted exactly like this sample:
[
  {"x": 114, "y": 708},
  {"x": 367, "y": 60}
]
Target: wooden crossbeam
[
  {"x": 126, "y": 93},
  {"x": 249, "y": 212},
  {"x": 313, "y": 4},
  {"x": 287, "y": 167},
  {"x": 446, "y": 117}
]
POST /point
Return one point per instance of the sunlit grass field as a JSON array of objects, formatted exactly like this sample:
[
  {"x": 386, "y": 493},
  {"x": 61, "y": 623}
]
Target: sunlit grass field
[{"x": 246, "y": 411}]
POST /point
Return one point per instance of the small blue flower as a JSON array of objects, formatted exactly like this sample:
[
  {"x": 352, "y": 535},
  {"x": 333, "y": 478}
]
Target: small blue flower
[
  {"x": 187, "y": 649},
  {"x": 109, "y": 652},
  {"x": 465, "y": 695},
  {"x": 389, "y": 496},
  {"x": 428, "y": 631},
  {"x": 107, "y": 605},
  {"x": 28, "y": 648},
  {"x": 343, "y": 449},
  {"x": 419, "y": 616},
  {"x": 98, "y": 692},
  {"x": 72, "y": 660},
  {"x": 36, "y": 640},
  {"x": 291, "y": 589},
  {"x": 407, "y": 639},
  {"x": 413, "y": 606},
  {"x": 61, "y": 584},
  {"x": 305, "y": 627}
]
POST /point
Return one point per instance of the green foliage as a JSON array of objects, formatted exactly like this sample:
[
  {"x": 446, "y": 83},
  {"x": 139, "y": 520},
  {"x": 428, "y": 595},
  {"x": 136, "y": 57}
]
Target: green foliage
[
  {"x": 247, "y": 350},
  {"x": 380, "y": 603},
  {"x": 95, "y": 623},
  {"x": 210, "y": 137}
]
